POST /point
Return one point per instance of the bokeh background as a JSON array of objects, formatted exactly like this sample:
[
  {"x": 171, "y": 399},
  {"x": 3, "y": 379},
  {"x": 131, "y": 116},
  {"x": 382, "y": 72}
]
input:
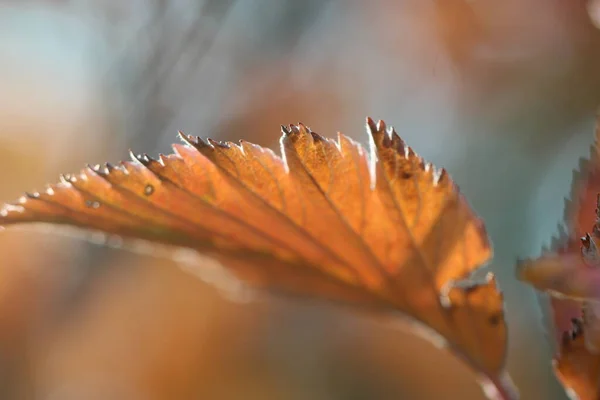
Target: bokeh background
[{"x": 501, "y": 93}]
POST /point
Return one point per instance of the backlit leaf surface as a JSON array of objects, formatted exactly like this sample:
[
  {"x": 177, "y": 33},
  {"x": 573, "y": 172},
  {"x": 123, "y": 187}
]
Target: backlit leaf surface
[{"x": 383, "y": 230}]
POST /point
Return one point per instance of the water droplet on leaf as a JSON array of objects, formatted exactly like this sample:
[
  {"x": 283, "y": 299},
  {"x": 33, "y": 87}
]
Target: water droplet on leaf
[{"x": 92, "y": 204}]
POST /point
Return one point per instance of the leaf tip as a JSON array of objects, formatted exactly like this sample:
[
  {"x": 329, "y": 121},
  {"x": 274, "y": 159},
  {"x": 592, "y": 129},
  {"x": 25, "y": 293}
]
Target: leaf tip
[
  {"x": 440, "y": 176},
  {"x": 521, "y": 268},
  {"x": 371, "y": 127},
  {"x": 132, "y": 156},
  {"x": 33, "y": 195},
  {"x": 285, "y": 130},
  {"x": 186, "y": 139}
]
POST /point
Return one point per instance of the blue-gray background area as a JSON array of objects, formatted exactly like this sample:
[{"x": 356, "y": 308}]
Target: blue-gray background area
[{"x": 502, "y": 94}]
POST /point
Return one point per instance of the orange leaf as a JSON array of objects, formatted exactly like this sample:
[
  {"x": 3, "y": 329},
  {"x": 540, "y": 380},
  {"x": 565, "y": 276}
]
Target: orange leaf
[
  {"x": 388, "y": 231},
  {"x": 571, "y": 274}
]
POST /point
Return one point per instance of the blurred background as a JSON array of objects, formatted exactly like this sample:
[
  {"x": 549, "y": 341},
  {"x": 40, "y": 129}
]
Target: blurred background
[{"x": 501, "y": 93}]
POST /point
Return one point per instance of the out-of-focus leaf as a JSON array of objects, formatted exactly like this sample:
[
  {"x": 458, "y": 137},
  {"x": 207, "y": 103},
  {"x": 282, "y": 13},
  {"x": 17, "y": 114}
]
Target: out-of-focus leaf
[{"x": 570, "y": 273}]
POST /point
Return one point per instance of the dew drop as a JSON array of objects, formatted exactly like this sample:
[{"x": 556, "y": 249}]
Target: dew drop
[
  {"x": 148, "y": 190},
  {"x": 92, "y": 204}
]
